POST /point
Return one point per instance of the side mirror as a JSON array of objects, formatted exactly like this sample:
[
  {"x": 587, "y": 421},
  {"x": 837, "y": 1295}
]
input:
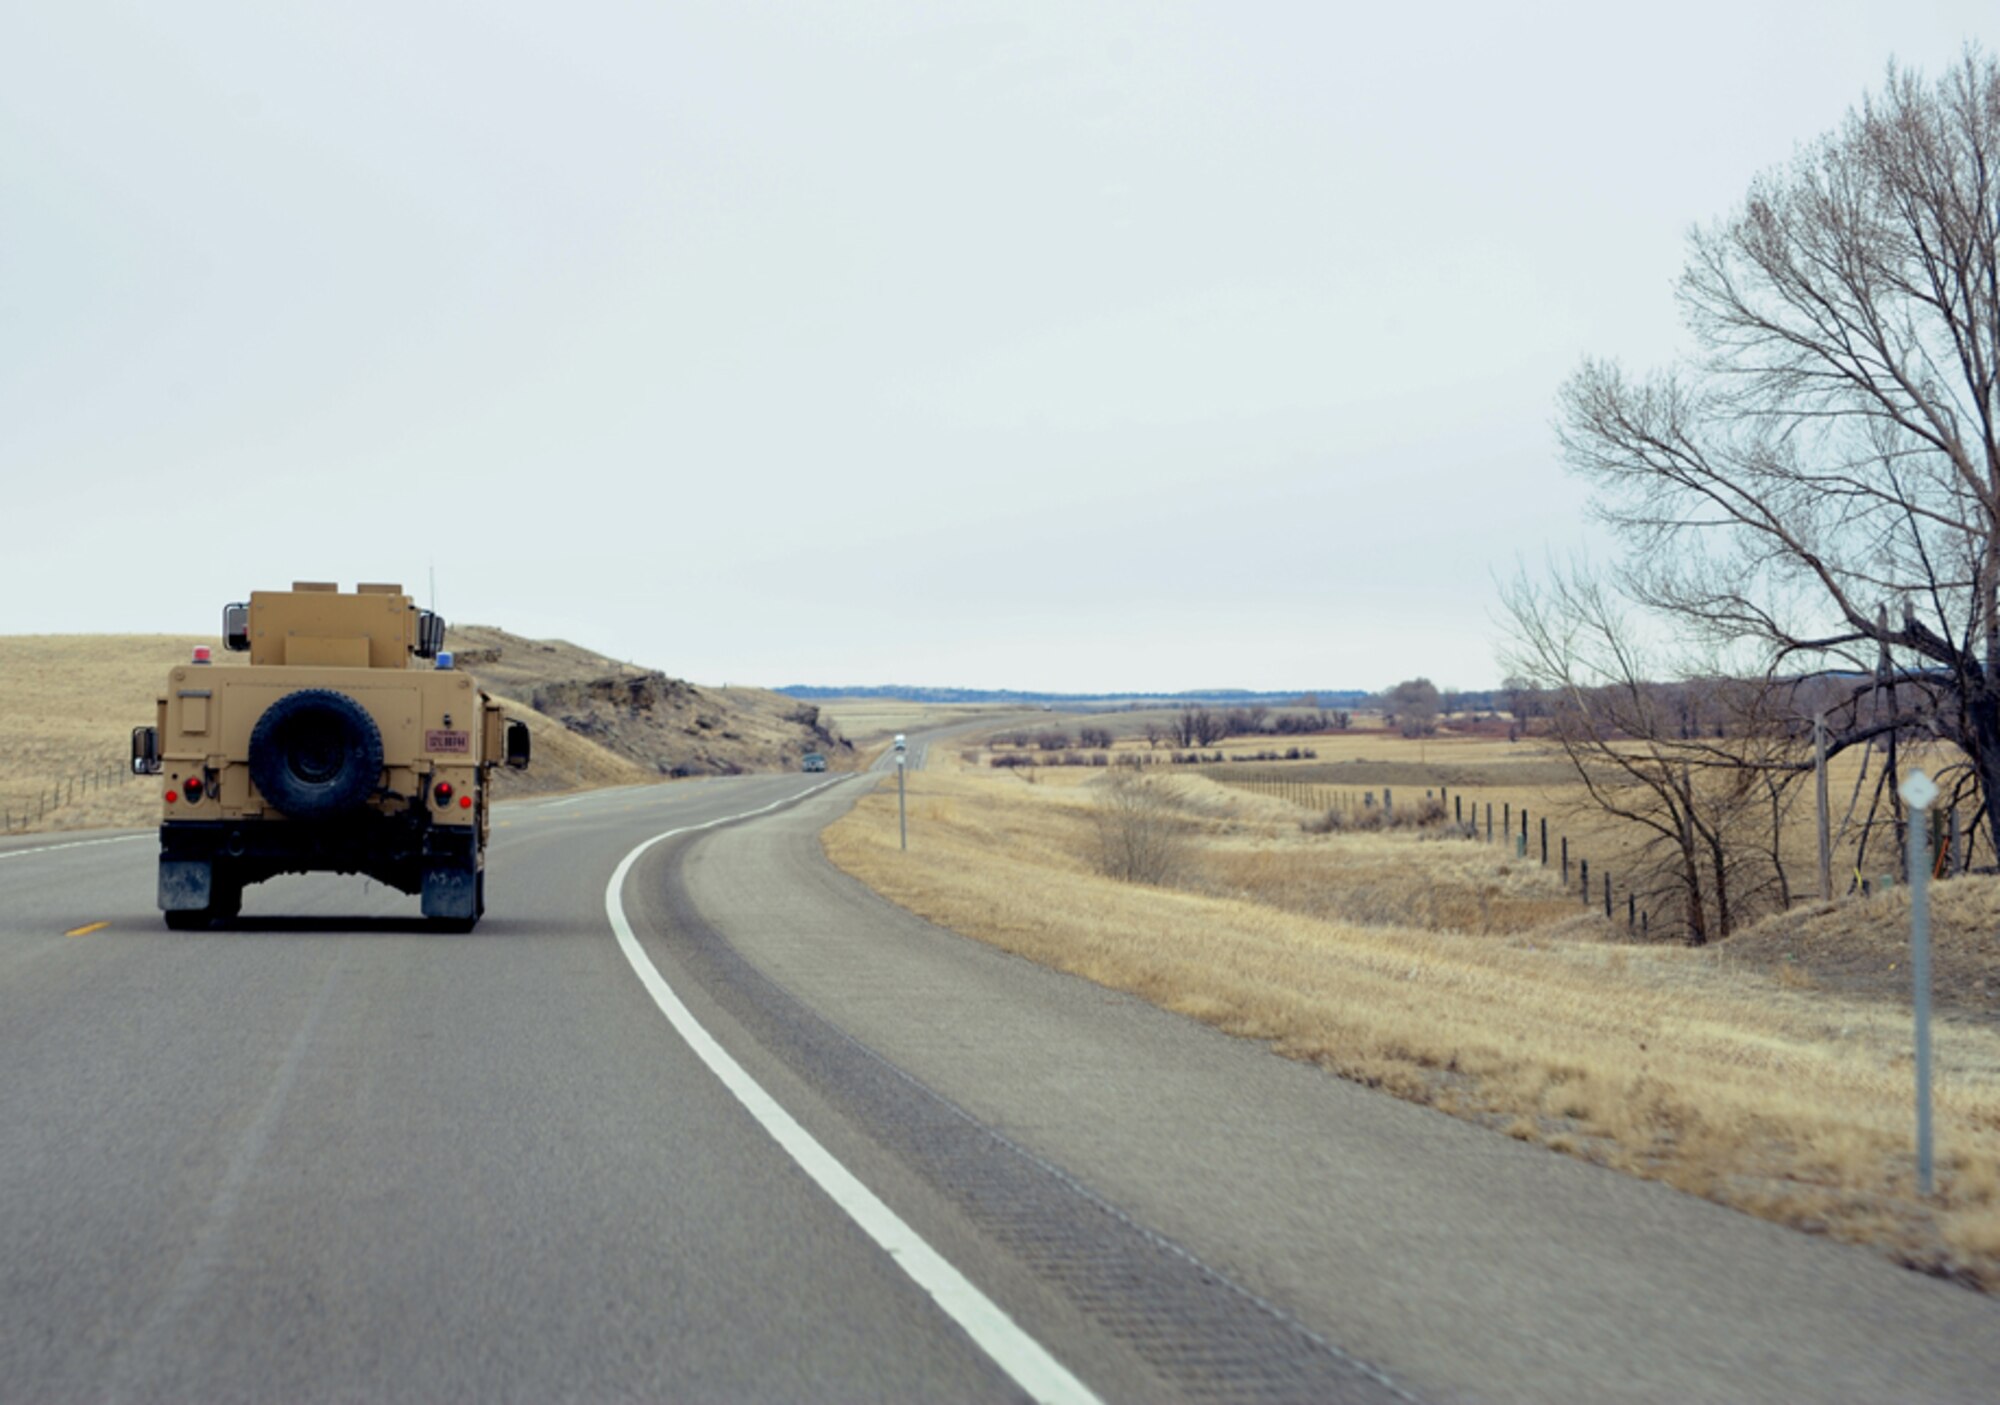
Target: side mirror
[
  {"x": 518, "y": 745},
  {"x": 236, "y": 628},
  {"x": 146, "y": 751},
  {"x": 430, "y": 634}
]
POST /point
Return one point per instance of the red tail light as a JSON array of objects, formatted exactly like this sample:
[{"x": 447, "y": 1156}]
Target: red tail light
[
  {"x": 443, "y": 793},
  {"x": 465, "y": 802},
  {"x": 192, "y": 788},
  {"x": 172, "y": 796}
]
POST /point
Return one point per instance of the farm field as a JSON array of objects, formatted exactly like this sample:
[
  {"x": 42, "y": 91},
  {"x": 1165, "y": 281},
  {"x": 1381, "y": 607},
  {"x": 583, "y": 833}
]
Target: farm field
[
  {"x": 1769, "y": 1072},
  {"x": 1492, "y": 782}
]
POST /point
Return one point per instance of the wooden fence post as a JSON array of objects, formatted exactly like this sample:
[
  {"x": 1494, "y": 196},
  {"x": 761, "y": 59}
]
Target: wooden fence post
[
  {"x": 1584, "y": 886},
  {"x": 1545, "y": 841}
]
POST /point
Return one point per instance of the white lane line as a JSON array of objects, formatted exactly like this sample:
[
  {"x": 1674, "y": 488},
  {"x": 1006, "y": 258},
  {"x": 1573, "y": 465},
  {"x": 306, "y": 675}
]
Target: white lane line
[
  {"x": 998, "y": 1335},
  {"x": 73, "y": 844}
]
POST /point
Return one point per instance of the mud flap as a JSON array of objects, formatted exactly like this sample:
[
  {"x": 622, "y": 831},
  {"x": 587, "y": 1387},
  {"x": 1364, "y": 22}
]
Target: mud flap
[
  {"x": 451, "y": 892},
  {"x": 186, "y": 885}
]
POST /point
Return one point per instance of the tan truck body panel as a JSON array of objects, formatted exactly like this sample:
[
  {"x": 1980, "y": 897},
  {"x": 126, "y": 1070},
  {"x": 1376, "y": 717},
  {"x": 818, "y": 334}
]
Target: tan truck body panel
[
  {"x": 209, "y": 713},
  {"x": 362, "y": 659}
]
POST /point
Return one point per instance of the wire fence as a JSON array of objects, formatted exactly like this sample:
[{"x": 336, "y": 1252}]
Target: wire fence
[
  {"x": 24, "y": 811},
  {"x": 1503, "y": 822}
]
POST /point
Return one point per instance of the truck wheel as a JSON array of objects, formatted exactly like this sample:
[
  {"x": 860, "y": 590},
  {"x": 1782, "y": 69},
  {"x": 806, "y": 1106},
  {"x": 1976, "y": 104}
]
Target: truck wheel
[
  {"x": 227, "y": 898},
  {"x": 194, "y": 892},
  {"x": 225, "y": 901},
  {"x": 315, "y": 753}
]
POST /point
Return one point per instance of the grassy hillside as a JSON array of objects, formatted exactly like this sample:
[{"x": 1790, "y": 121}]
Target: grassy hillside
[
  {"x": 666, "y": 726},
  {"x": 68, "y": 704}
]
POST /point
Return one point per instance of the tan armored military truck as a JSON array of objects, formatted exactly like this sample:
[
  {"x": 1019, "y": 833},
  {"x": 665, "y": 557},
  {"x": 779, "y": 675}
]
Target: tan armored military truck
[{"x": 349, "y": 745}]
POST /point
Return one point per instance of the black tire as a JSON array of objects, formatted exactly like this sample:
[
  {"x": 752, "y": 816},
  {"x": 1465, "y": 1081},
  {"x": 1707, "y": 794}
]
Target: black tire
[
  {"x": 315, "y": 754},
  {"x": 227, "y": 899},
  {"x": 194, "y": 921}
]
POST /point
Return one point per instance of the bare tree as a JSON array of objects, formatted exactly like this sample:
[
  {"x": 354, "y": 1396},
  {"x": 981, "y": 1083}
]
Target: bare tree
[
  {"x": 1819, "y": 489},
  {"x": 1522, "y": 698},
  {"x": 1140, "y": 837},
  {"x": 1199, "y": 726},
  {"x": 1714, "y": 808},
  {"x": 1414, "y": 706},
  {"x": 1209, "y": 727}
]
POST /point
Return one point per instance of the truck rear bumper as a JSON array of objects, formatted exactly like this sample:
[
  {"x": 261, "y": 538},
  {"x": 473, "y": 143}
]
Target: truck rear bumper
[{"x": 401, "y": 855}]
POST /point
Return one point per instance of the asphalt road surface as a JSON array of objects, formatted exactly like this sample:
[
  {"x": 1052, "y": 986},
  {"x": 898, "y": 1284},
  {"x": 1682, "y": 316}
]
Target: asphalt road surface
[{"x": 731, "y": 1128}]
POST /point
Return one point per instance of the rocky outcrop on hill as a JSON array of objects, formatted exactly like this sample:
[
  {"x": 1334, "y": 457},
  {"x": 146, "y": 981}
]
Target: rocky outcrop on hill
[{"x": 666, "y": 725}]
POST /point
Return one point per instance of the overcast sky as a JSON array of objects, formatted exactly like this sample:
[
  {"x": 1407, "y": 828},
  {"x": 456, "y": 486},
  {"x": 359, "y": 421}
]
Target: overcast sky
[{"x": 1038, "y": 345}]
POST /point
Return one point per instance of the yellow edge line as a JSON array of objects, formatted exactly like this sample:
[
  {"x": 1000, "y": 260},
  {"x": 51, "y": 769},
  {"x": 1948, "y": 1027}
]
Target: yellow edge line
[{"x": 86, "y": 931}]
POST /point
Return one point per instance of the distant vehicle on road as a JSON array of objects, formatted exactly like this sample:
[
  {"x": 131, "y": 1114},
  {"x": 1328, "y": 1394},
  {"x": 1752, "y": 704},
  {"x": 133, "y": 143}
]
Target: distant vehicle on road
[{"x": 812, "y": 761}]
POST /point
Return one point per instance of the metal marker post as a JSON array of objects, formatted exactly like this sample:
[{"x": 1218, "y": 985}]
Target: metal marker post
[
  {"x": 902, "y": 815},
  {"x": 1919, "y": 791},
  {"x": 1819, "y": 804}
]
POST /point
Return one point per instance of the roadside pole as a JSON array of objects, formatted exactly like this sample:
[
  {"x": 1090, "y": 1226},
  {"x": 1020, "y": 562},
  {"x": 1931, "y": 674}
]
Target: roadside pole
[
  {"x": 1919, "y": 791},
  {"x": 902, "y": 811},
  {"x": 1819, "y": 795}
]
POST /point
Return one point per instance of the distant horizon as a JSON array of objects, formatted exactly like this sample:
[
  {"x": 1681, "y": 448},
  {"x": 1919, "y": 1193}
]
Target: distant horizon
[{"x": 814, "y": 692}]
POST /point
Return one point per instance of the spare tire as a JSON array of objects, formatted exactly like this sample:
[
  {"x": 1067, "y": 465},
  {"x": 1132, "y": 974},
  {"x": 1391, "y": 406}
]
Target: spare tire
[{"x": 315, "y": 754}]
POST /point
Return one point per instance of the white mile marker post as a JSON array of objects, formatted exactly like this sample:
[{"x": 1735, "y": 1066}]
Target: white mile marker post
[
  {"x": 902, "y": 815},
  {"x": 1919, "y": 791}
]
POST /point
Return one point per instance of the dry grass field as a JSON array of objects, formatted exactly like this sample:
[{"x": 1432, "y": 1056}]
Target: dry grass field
[
  {"x": 1449, "y": 972},
  {"x": 1474, "y": 774},
  {"x": 68, "y": 704}
]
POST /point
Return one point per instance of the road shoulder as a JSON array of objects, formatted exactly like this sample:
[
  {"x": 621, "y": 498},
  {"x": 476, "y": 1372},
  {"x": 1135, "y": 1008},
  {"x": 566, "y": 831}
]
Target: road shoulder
[{"x": 1462, "y": 1263}]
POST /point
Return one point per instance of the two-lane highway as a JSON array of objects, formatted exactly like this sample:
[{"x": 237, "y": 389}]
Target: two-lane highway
[
  {"x": 322, "y": 1153},
  {"x": 692, "y": 1116}
]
